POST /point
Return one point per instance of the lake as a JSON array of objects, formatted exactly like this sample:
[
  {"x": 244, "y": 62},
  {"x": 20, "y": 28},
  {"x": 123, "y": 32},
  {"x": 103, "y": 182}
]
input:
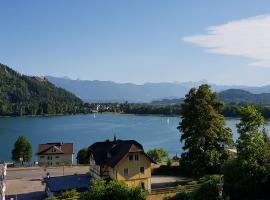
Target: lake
[{"x": 83, "y": 130}]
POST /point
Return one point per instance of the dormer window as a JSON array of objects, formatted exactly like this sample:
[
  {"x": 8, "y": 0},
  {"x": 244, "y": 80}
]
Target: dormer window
[
  {"x": 130, "y": 157},
  {"x": 136, "y": 157}
]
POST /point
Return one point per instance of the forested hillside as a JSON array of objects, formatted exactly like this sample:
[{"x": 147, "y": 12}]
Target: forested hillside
[
  {"x": 242, "y": 96},
  {"x": 24, "y": 95}
]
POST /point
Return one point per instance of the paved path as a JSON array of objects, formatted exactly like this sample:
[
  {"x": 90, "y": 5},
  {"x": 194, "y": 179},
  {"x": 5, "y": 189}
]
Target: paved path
[
  {"x": 160, "y": 181},
  {"x": 26, "y": 183}
]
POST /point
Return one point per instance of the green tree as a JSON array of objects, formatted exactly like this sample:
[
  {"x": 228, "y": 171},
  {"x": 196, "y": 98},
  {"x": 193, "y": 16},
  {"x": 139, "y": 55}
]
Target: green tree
[
  {"x": 158, "y": 154},
  {"x": 22, "y": 149},
  {"x": 205, "y": 136},
  {"x": 247, "y": 174},
  {"x": 114, "y": 190},
  {"x": 82, "y": 156}
]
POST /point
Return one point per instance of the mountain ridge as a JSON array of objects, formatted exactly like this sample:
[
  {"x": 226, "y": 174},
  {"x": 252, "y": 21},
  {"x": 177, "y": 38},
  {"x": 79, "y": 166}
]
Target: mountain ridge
[{"x": 109, "y": 91}]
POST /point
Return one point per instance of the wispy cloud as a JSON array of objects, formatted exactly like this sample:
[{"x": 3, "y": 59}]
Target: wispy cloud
[{"x": 249, "y": 38}]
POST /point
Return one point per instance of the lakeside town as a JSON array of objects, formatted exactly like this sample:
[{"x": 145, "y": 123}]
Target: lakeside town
[
  {"x": 56, "y": 171},
  {"x": 134, "y": 100},
  {"x": 124, "y": 170}
]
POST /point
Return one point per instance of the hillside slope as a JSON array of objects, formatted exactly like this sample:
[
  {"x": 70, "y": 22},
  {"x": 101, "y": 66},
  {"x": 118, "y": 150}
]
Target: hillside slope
[
  {"x": 242, "y": 96},
  {"x": 24, "y": 95},
  {"x": 230, "y": 96}
]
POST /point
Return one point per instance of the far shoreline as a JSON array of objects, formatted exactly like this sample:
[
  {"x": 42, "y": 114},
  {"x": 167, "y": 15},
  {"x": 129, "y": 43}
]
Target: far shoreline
[{"x": 101, "y": 113}]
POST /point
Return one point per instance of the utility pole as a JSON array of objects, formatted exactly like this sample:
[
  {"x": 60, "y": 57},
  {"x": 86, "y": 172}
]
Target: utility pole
[{"x": 63, "y": 169}]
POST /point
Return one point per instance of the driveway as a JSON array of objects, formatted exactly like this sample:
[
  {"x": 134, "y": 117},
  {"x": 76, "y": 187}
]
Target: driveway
[
  {"x": 159, "y": 181},
  {"x": 26, "y": 183}
]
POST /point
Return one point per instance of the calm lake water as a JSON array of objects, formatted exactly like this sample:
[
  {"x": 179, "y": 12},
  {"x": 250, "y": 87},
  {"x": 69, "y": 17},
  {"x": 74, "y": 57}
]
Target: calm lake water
[{"x": 83, "y": 130}]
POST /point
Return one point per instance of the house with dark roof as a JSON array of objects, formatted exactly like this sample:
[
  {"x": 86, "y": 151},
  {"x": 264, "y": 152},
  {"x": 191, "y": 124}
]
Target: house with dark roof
[
  {"x": 58, "y": 184},
  {"x": 123, "y": 160},
  {"x": 52, "y": 154}
]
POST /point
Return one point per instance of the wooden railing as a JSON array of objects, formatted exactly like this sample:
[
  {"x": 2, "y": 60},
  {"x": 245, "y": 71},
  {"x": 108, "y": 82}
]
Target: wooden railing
[{"x": 177, "y": 189}]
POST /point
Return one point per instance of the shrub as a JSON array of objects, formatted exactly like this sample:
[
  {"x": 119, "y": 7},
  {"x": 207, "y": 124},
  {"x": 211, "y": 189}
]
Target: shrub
[
  {"x": 181, "y": 196},
  {"x": 209, "y": 189},
  {"x": 51, "y": 198},
  {"x": 112, "y": 190},
  {"x": 70, "y": 194}
]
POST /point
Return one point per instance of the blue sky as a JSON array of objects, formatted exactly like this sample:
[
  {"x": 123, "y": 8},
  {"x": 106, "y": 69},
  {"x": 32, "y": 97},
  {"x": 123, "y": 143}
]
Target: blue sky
[{"x": 138, "y": 41}]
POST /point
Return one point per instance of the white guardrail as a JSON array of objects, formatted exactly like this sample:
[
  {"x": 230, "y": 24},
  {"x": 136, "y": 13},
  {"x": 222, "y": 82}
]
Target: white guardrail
[{"x": 3, "y": 174}]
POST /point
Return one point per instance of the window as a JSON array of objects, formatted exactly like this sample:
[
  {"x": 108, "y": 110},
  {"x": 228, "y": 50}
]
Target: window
[
  {"x": 48, "y": 158},
  {"x": 136, "y": 157},
  {"x": 130, "y": 157},
  {"x": 56, "y": 156},
  {"x": 41, "y": 156},
  {"x": 142, "y": 170},
  {"x": 125, "y": 171},
  {"x": 143, "y": 185}
]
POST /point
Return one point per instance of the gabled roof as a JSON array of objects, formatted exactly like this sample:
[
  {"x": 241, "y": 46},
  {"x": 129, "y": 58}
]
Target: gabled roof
[
  {"x": 111, "y": 152},
  {"x": 60, "y": 148}
]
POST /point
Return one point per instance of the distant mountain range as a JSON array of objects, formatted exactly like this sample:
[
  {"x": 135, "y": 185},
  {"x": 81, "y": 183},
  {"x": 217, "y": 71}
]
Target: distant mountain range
[{"x": 108, "y": 91}]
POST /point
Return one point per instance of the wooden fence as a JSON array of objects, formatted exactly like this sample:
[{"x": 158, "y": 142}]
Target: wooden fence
[{"x": 180, "y": 188}]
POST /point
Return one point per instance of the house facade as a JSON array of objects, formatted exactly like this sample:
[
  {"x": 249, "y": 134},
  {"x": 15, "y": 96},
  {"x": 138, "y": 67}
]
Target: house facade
[
  {"x": 123, "y": 160},
  {"x": 53, "y": 154}
]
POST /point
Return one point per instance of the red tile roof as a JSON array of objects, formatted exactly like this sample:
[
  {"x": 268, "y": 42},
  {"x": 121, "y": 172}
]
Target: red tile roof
[{"x": 60, "y": 148}]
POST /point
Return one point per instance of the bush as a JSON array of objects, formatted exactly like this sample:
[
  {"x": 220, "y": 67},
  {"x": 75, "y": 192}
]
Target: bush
[
  {"x": 70, "y": 194},
  {"x": 208, "y": 190},
  {"x": 51, "y": 198},
  {"x": 181, "y": 196},
  {"x": 112, "y": 190},
  {"x": 136, "y": 193}
]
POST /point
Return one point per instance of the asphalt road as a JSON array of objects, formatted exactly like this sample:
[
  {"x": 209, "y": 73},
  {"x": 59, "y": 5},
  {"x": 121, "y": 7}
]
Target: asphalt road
[
  {"x": 26, "y": 183},
  {"x": 39, "y": 172}
]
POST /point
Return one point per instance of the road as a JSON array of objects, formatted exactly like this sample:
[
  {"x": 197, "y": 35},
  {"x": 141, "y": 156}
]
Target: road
[{"x": 26, "y": 183}]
